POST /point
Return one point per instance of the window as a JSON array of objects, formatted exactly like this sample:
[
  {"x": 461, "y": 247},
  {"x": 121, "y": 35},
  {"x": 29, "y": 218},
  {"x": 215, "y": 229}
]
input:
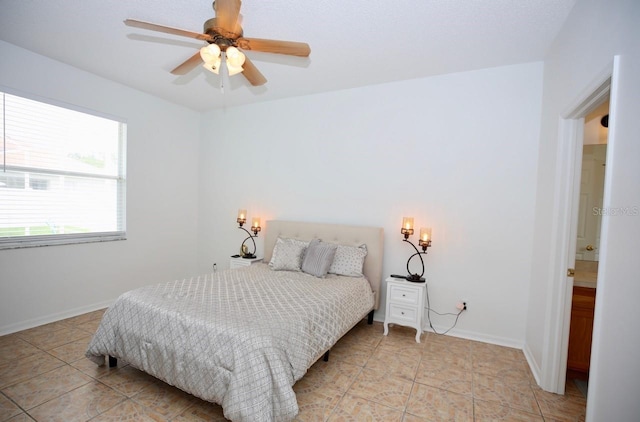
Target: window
[{"x": 62, "y": 175}]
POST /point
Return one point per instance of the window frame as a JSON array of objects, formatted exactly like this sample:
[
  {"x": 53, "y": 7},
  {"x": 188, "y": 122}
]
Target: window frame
[{"x": 14, "y": 242}]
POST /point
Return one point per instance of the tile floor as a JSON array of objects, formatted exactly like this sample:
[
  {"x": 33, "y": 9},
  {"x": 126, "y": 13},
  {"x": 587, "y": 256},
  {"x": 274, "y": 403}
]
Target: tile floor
[{"x": 44, "y": 376}]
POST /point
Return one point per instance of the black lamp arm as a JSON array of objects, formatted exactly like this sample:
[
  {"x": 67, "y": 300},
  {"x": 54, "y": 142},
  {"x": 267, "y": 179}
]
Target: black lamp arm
[
  {"x": 250, "y": 237},
  {"x": 411, "y": 276}
]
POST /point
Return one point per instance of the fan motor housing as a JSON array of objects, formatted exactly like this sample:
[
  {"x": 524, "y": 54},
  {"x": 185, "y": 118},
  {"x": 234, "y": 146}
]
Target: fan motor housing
[{"x": 221, "y": 37}]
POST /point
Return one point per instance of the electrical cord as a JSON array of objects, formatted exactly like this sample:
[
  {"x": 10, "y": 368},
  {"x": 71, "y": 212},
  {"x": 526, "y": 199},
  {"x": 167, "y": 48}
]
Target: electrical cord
[{"x": 429, "y": 310}]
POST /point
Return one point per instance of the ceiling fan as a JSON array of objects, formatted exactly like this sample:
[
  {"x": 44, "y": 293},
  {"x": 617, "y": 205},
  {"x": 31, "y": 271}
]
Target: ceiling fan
[{"x": 225, "y": 38}]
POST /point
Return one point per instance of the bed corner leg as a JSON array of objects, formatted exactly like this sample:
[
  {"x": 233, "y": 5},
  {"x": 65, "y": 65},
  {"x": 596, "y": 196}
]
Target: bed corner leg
[
  {"x": 370, "y": 317},
  {"x": 326, "y": 356},
  {"x": 113, "y": 362}
]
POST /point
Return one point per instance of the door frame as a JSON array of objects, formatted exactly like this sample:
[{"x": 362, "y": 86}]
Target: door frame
[{"x": 565, "y": 224}]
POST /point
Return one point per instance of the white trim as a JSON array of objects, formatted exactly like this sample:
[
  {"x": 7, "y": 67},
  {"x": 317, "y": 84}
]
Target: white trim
[
  {"x": 59, "y": 239},
  {"x": 44, "y": 170},
  {"x": 598, "y": 90},
  {"x": 467, "y": 335},
  {"x": 58, "y": 103},
  {"x": 36, "y": 322},
  {"x": 483, "y": 338},
  {"x": 552, "y": 373},
  {"x": 533, "y": 365}
]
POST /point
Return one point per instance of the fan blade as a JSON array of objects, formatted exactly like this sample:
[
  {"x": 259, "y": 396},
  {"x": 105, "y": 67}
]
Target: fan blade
[
  {"x": 252, "y": 73},
  {"x": 167, "y": 29},
  {"x": 227, "y": 12},
  {"x": 274, "y": 46},
  {"x": 188, "y": 65}
]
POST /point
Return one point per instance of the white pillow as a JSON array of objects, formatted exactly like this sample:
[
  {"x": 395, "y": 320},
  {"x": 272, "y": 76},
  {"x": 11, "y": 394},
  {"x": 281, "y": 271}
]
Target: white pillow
[
  {"x": 318, "y": 257},
  {"x": 287, "y": 254},
  {"x": 349, "y": 260}
]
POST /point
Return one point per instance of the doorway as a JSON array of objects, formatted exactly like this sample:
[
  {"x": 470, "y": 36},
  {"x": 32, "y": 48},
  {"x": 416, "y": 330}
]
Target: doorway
[
  {"x": 566, "y": 203},
  {"x": 587, "y": 247},
  {"x": 613, "y": 385}
]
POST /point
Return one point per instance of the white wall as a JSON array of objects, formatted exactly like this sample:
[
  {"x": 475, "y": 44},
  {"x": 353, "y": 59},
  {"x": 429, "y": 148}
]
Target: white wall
[
  {"x": 39, "y": 285},
  {"x": 456, "y": 152},
  {"x": 595, "y": 31}
]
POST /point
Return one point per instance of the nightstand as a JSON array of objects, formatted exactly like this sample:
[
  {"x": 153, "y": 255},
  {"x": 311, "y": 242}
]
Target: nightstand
[
  {"x": 242, "y": 262},
  {"x": 405, "y": 304}
]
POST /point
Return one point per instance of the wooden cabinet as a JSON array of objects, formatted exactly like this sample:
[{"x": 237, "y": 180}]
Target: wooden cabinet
[{"x": 580, "y": 332}]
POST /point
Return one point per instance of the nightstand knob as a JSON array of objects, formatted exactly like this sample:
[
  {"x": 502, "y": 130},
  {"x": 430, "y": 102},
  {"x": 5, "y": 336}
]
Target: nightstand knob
[
  {"x": 402, "y": 313},
  {"x": 403, "y": 295}
]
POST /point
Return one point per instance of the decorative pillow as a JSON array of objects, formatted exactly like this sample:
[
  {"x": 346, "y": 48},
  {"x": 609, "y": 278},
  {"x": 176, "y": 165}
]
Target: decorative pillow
[
  {"x": 318, "y": 257},
  {"x": 349, "y": 260},
  {"x": 287, "y": 254}
]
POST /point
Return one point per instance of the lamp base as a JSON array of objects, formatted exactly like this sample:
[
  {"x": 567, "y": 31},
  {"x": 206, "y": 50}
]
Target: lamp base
[
  {"x": 415, "y": 278},
  {"x": 248, "y": 256}
]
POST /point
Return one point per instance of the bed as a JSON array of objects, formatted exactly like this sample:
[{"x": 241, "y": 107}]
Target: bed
[{"x": 242, "y": 338}]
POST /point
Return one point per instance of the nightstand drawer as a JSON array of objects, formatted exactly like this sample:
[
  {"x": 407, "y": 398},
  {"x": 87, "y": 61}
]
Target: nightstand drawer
[
  {"x": 403, "y": 313},
  {"x": 404, "y": 295}
]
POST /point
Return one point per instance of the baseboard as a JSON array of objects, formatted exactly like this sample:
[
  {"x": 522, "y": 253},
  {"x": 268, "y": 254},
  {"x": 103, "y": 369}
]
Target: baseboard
[
  {"x": 481, "y": 337},
  {"x": 468, "y": 335},
  {"x": 533, "y": 365},
  {"x": 35, "y": 322},
  {"x": 484, "y": 338}
]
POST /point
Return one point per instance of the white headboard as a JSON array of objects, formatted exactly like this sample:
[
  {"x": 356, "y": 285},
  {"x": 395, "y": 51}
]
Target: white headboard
[{"x": 334, "y": 233}]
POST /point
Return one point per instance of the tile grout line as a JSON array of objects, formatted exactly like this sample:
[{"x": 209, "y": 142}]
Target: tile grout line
[
  {"x": 16, "y": 404},
  {"x": 64, "y": 363},
  {"x": 472, "y": 353}
]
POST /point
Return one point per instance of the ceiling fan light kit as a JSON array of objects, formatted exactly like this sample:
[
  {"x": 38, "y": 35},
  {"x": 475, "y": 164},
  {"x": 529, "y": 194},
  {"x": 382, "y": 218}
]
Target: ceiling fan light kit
[
  {"x": 225, "y": 39},
  {"x": 210, "y": 55},
  {"x": 235, "y": 57}
]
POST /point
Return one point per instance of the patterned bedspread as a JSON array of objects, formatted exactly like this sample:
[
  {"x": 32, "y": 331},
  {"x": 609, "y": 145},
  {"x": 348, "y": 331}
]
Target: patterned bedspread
[{"x": 240, "y": 338}]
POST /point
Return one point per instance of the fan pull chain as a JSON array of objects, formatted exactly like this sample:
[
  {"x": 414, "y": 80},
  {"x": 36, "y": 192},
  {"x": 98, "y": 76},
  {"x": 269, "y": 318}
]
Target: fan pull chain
[{"x": 223, "y": 70}]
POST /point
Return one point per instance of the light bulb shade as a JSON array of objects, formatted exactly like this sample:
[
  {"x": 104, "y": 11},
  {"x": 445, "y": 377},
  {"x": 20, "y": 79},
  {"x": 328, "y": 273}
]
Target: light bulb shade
[
  {"x": 255, "y": 225},
  {"x": 235, "y": 57},
  {"x": 233, "y": 70},
  {"x": 425, "y": 238},
  {"x": 213, "y": 67},
  {"x": 407, "y": 226},
  {"x": 210, "y": 53},
  {"x": 242, "y": 217}
]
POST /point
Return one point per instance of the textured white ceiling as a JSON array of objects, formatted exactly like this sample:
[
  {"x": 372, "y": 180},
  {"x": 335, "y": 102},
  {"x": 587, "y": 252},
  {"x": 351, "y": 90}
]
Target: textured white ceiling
[{"x": 353, "y": 43}]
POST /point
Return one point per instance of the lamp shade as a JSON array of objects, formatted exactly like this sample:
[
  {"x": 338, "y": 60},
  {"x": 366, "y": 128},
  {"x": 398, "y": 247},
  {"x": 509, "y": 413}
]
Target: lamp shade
[
  {"x": 242, "y": 216},
  {"x": 209, "y": 53},
  {"x": 235, "y": 57},
  {"x": 213, "y": 67},
  {"x": 425, "y": 234},
  {"x": 255, "y": 222},
  {"x": 407, "y": 223},
  {"x": 234, "y": 70}
]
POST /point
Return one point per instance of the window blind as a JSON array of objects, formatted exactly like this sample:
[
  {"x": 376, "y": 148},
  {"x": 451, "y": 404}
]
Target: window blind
[{"x": 62, "y": 178}]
